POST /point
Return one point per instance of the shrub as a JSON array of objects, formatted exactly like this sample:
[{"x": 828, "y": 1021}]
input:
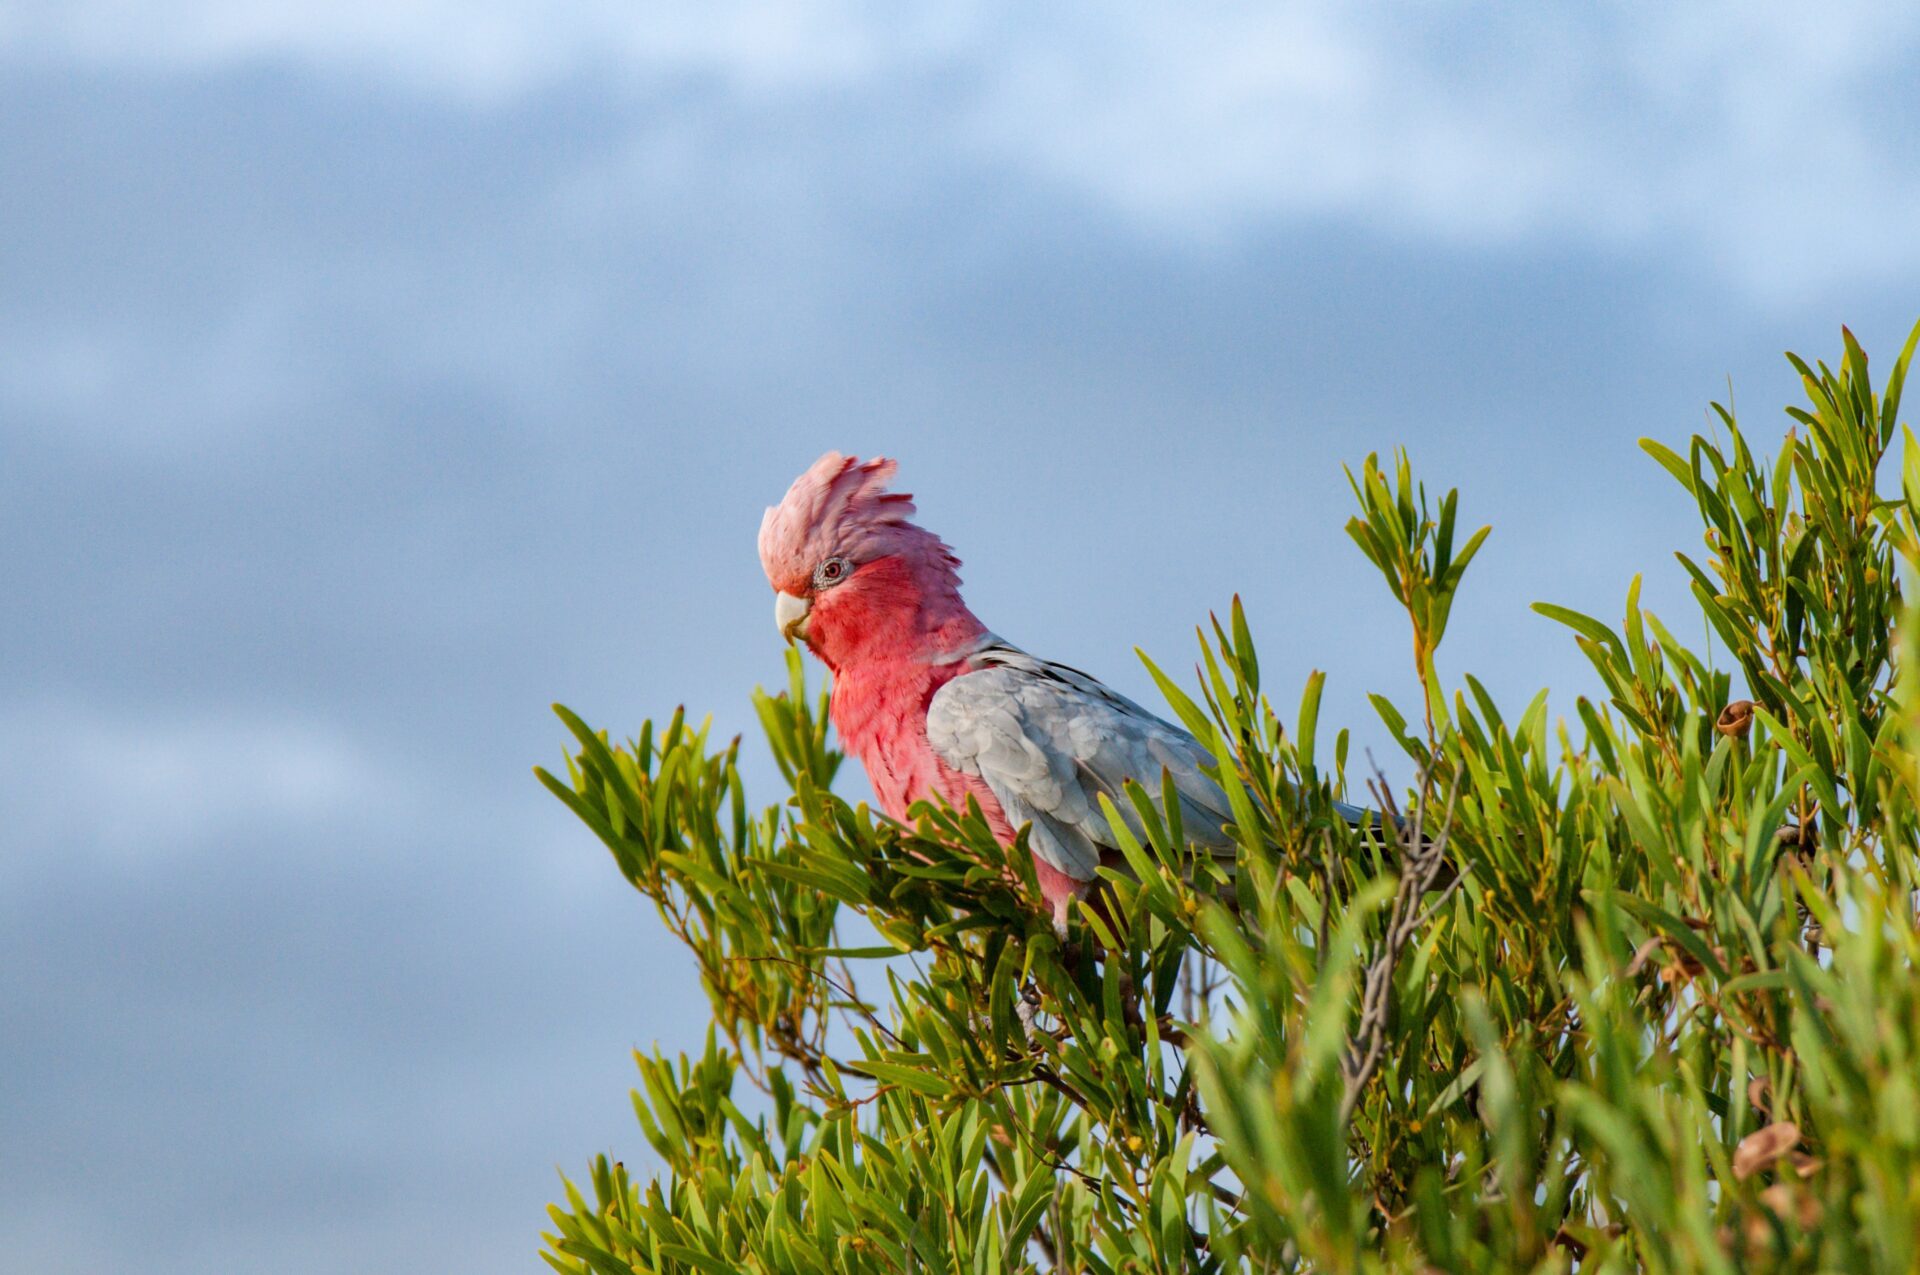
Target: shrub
[{"x": 1633, "y": 989}]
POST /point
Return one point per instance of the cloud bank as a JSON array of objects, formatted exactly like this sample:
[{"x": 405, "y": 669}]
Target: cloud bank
[{"x": 1773, "y": 145}]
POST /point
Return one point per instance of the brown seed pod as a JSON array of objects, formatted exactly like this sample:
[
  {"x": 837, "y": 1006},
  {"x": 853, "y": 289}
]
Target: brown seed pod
[
  {"x": 1736, "y": 719},
  {"x": 1762, "y": 1147}
]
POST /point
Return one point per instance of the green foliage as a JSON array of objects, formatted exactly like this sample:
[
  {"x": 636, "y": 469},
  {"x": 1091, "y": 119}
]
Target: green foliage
[{"x": 1661, "y": 1013}]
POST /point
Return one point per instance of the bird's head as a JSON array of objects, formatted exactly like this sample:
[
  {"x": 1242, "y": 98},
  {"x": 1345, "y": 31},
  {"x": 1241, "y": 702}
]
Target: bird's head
[{"x": 852, "y": 575}]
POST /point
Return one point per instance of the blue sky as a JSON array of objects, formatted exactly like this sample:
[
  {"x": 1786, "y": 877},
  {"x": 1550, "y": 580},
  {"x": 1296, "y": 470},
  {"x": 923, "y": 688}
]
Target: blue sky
[{"x": 372, "y": 375}]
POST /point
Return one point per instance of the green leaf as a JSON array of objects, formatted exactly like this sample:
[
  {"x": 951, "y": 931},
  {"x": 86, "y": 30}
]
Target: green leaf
[
  {"x": 1669, "y": 461},
  {"x": 1584, "y": 625},
  {"x": 1307, "y": 720}
]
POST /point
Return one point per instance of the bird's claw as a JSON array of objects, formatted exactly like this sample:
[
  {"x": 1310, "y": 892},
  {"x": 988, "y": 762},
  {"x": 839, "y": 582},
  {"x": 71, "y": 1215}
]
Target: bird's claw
[{"x": 1027, "y": 1010}]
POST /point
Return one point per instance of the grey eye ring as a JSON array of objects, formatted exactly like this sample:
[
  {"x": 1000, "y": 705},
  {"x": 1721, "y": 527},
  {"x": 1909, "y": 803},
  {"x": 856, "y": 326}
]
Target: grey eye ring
[{"x": 831, "y": 571}]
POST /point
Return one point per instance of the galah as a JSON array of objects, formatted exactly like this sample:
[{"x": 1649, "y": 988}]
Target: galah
[{"x": 936, "y": 705}]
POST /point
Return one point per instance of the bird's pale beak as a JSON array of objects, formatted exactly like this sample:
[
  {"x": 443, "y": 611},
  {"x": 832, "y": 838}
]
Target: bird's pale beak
[{"x": 790, "y": 616}]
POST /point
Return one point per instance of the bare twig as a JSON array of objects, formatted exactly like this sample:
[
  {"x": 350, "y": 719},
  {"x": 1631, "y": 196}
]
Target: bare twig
[{"x": 1421, "y": 859}]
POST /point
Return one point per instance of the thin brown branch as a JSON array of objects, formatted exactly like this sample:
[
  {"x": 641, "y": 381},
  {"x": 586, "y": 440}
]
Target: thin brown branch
[{"x": 1421, "y": 859}]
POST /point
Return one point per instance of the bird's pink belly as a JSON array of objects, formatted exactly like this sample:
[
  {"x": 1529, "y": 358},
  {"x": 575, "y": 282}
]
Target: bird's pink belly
[{"x": 903, "y": 771}]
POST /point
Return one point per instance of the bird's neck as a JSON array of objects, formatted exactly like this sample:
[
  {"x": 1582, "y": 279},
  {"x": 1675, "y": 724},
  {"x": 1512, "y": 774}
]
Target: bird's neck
[
  {"x": 883, "y": 682},
  {"x": 915, "y": 649}
]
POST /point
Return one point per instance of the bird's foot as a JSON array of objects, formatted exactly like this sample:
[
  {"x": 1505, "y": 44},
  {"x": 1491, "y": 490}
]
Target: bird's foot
[{"x": 1027, "y": 1010}]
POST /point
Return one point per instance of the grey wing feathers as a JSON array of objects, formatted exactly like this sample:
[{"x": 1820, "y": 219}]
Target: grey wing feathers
[{"x": 1048, "y": 740}]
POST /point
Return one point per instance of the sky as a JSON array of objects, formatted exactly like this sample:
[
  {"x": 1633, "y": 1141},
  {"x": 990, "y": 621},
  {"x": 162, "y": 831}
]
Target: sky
[{"x": 373, "y": 375}]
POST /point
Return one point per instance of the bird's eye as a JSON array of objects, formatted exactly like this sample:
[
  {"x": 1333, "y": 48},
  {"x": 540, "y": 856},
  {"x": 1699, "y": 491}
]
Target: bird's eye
[{"x": 831, "y": 572}]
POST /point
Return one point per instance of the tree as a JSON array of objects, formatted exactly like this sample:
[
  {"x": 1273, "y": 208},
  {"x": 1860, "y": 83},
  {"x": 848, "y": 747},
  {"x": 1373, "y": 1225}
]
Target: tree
[{"x": 1635, "y": 990}]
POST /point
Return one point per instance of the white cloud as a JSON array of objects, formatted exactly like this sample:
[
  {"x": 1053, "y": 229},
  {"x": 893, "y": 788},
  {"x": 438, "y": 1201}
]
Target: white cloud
[
  {"x": 1758, "y": 139},
  {"x": 1757, "y": 144}
]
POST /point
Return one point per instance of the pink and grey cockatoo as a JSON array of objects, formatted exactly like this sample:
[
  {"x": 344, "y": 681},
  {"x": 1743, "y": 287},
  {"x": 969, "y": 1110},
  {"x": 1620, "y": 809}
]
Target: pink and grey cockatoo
[{"x": 934, "y": 704}]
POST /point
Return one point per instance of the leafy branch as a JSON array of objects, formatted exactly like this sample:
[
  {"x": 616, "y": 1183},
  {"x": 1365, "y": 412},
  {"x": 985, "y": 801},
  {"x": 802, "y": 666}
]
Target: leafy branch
[{"x": 1629, "y": 988}]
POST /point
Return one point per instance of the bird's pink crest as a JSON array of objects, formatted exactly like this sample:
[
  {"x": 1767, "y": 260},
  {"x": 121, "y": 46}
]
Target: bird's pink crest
[{"x": 841, "y": 505}]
